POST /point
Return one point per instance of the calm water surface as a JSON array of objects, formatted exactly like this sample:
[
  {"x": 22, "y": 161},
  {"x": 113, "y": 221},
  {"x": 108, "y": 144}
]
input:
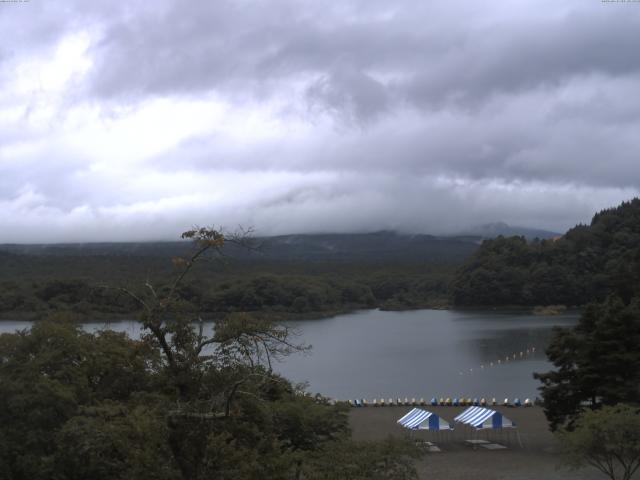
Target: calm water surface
[{"x": 422, "y": 353}]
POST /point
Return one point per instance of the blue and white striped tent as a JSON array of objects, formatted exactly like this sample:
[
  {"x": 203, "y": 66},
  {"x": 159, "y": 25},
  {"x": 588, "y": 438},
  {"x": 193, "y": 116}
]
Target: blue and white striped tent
[
  {"x": 418, "y": 419},
  {"x": 482, "y": 418}
]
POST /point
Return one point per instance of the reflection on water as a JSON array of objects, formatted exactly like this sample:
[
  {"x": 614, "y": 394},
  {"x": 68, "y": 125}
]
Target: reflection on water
[{"x": 422, "y": 353}]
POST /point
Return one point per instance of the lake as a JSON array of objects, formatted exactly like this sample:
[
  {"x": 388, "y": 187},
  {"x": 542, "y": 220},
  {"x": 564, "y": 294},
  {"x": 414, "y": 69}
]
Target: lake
[
  {"x": 425, "y": 353},
  {"x": 420, "y": 353}
]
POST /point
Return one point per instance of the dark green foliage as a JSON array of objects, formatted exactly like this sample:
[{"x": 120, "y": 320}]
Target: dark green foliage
[
  {"x": 282, "y": 293},
  {"x": 307, "y": 275},
  {"x": 75, "y": 405},
  {"x": 387, "y": 460},
  {"x": 597, "y": 362},
  {"x": 48, "y": 374},
  {"x": 177, "y": 404},
  {"x": 289, "y": 288},
  {"x": 584, "y": 265},
  {"x": 112, "y": 440},
  {"x": 607, "y": 439}
]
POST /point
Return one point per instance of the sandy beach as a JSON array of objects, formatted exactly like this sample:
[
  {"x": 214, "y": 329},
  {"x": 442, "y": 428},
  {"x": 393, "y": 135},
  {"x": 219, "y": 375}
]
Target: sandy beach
[{"x": 537, "y": 458}]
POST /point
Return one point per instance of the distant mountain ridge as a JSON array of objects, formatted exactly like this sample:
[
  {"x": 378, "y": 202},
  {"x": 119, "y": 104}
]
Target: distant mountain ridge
[
  {"x": 375, "y": 246},
  {"x": 383, "y": 245},
  {"x": 367, "y": 247}
]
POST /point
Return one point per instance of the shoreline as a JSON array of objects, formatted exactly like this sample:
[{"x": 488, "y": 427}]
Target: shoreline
[
  {"x": 538, "y": 458},
  {"x": 31, "y": 316}
]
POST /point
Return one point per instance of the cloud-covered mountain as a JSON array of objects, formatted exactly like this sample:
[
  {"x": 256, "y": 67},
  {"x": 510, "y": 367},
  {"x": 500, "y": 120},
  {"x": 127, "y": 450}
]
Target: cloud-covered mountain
[{"x": 132, "y": 121}]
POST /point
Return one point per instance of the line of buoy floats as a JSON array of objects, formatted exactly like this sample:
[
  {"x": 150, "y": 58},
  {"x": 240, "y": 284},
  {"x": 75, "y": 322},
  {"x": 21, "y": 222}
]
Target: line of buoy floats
[
  {"x": 502, "y": 361},
  {"x": 442, "y": 402},
  {"x": 455, "y": 402}
]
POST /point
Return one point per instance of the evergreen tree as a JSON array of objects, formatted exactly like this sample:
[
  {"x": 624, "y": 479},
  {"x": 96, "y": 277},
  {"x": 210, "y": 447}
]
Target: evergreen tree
[{"x": 597, "y": 362}]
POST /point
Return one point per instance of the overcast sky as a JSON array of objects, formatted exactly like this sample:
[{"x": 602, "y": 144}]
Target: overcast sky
[{"x": 132, "y": 120}]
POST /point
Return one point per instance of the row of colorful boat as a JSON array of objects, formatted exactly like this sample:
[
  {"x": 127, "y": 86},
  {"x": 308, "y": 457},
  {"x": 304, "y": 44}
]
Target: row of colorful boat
[{"x": 448, "y": 402}]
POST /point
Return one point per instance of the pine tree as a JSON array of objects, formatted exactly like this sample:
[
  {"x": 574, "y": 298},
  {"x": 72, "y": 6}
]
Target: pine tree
[{"x": 597, "y": 362}]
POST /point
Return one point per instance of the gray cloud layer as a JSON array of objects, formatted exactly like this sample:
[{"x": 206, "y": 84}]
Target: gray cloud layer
[{"x": 357, "y": 115}]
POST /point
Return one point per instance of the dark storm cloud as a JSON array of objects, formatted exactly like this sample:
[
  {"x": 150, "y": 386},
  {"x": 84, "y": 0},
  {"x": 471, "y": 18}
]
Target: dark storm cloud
[
  {"x": 362, "y": 62},
  {"x": 351, "y": 94},
  {"x": 434, "y": 57},
  {"x": 523, "y": 55},
  {"x": 360, "y": 115}
]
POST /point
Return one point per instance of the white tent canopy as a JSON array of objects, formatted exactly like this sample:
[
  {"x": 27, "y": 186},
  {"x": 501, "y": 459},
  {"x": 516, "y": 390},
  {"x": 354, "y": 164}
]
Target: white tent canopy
[
  {"x": 418, "y": 419},
  {"x": 484, "y": 418}
]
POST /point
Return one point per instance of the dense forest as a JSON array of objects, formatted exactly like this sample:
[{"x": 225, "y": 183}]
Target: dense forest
[
  {"x": 174, "y": 404},
  {"x": 299, "y": 275},
  {"x": 584, "y": 265},
  {"x": 280, "y": 289},
  {"x": 315, "y": 275}
]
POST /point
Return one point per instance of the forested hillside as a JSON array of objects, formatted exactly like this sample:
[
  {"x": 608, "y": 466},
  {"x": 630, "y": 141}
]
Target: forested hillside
[
  {"x": 296, "y": 274},
  {"x": 582, "y": 266}
]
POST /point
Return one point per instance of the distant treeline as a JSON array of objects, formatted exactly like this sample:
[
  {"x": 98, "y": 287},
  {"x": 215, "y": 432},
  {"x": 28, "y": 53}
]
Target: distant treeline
[
  {"x": 310, "y": 275},
  {"x": 584, "y": 265},
  {"x": 33, "y": 286},
  {"x": 314, "y": 275}
]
